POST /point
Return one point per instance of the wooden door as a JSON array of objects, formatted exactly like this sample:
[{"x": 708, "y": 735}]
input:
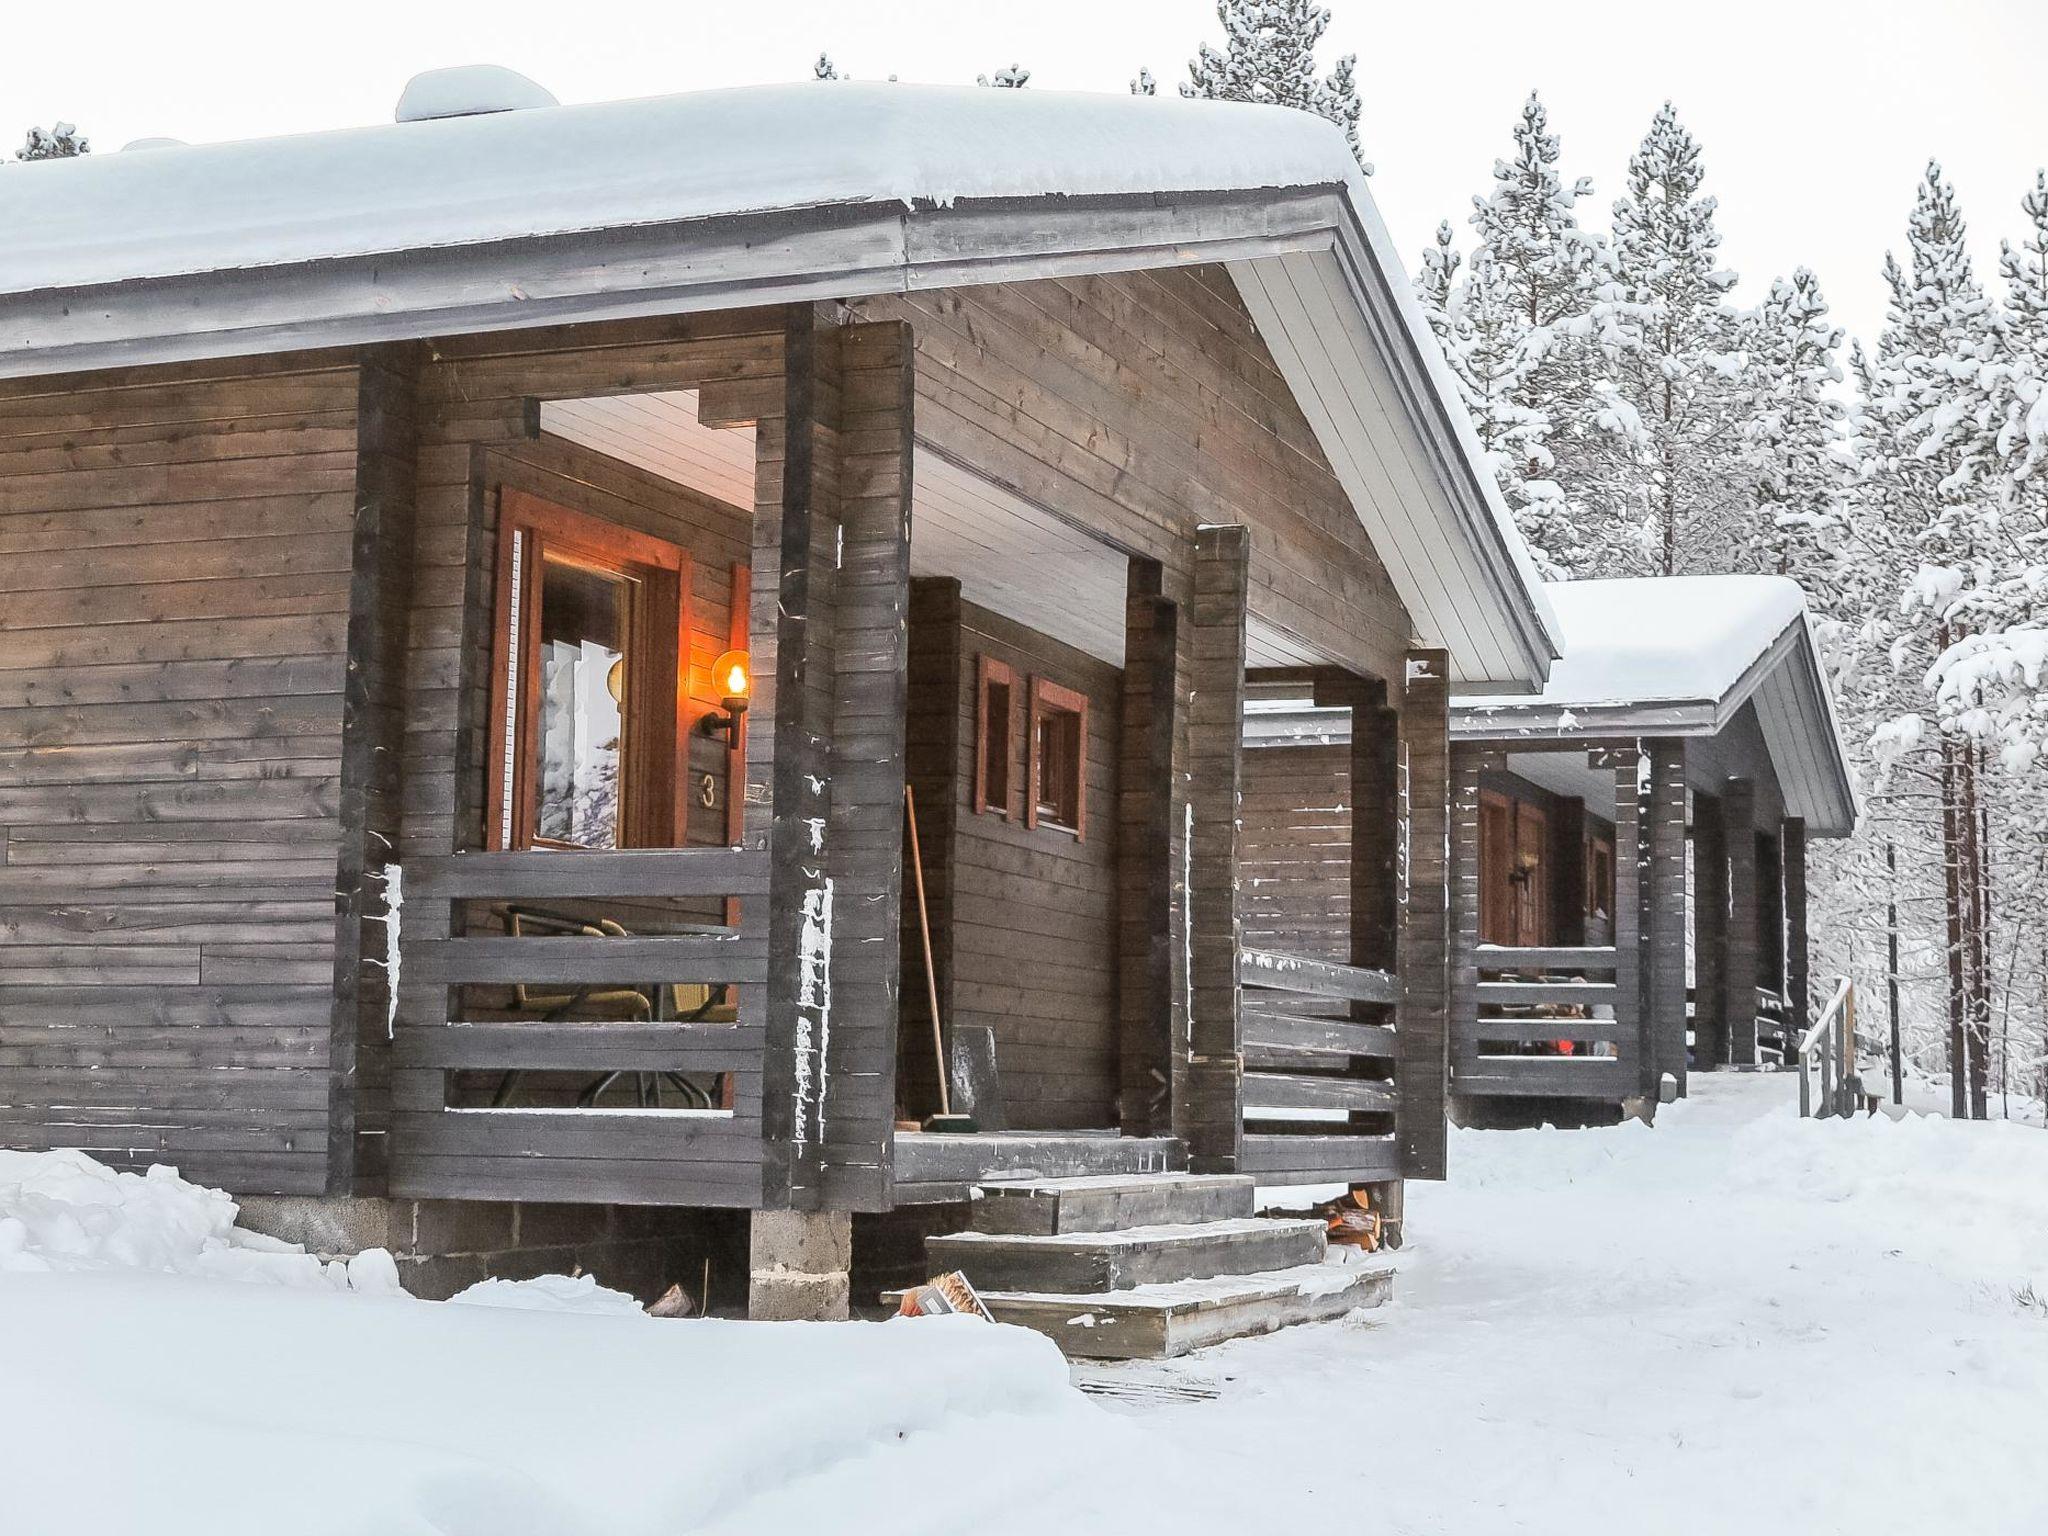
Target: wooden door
[{"x": 1532, "y": 875}]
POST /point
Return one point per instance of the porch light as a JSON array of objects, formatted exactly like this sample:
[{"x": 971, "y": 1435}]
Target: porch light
[{"x": 733, "y": 674}]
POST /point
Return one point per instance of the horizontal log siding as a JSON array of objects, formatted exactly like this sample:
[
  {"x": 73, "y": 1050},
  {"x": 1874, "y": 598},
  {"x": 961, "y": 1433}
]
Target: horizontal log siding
[
  {"x": 1140, "y": 406},
  {"x": 1033, "y": 942},
  {"x": 174, "y": 609},
  {"x": 1294, "y": 870}
]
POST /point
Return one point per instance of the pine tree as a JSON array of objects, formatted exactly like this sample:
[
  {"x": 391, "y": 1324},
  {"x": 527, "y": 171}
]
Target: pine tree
[
  {"x": 1014, "y": 78},
  {"x": 1793, "y": 438},
  {"x": 1269, "y": 55},
  {"x": 1678, "y": 361},
  {"x": 59, "y": 142},
  {"x": 1542, "y": 289},
  {"x": 825, "y": 69},
  {"x": 1480, "y": 331},
  {"x": 1144, "y": 85}
]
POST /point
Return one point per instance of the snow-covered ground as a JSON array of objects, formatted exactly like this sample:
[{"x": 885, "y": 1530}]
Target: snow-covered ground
[{"x": 1737, "y": 1322}]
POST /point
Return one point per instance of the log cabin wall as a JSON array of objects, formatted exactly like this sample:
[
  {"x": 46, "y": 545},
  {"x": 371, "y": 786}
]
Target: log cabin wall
[
  {"x": 175, "y": 601},
  {"x": 1295, "y": 870},
  {"x": 1024, "y": 923}
]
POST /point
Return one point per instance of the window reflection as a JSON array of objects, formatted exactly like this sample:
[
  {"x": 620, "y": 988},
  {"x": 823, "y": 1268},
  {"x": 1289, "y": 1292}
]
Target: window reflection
[{"x": 584, "y": 622}]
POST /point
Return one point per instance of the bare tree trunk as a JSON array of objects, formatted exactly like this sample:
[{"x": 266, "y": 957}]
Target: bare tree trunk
[
  {"x": 1952, "y": 907},
  {"x": 1976, "y": 948}
]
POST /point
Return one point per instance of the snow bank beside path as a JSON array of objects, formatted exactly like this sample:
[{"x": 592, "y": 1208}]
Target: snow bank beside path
[{"x": 145, "y": 1385}]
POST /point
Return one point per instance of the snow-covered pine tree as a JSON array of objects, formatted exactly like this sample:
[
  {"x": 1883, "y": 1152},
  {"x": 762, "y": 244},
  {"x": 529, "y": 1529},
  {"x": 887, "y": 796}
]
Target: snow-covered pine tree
[
  {"x": 825, "y": 69},
  {"x": 1480, "y": 330},
  {"x": 1792, "y": 442},
  {"x": 1269, "y": 55},
  {"x": 1934, "y": 368},
  {"x": 58, "y": 142},
  {"x": 1013, "y": 78},
  {"x": 1678, "y": 358},
  {"x": 1542, "y": 286},
  {"x": 1145, "y": 84}
]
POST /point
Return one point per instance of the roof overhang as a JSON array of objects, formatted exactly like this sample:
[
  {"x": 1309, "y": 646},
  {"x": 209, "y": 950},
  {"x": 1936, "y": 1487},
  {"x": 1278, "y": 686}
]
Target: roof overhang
[
  {"x": 1312, "y": 262},
  {"x": 1793, "y": 704}
]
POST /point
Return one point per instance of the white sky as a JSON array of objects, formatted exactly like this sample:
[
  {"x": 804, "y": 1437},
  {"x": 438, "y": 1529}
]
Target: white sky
[{"x": 1816, "y": 115}]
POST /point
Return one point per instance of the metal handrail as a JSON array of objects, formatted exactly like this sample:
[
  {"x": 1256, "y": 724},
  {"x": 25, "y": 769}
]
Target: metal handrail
[{"x": 1828, "y": 1050}]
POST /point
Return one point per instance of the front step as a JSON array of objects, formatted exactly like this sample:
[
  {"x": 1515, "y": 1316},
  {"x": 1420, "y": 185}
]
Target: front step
[
  {"x": 1158, "y": 1322},
  {"x": 1088, "y": 1263},
  {"x": 1052, "y": 1207}
]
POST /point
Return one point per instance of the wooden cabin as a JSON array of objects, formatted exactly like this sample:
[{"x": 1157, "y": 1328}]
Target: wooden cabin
[
  {"x": 480, "y": 589},
  {"x": 1629, "y": 894}
]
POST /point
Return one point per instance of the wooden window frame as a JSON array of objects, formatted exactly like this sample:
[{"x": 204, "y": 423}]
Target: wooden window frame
[
  {"x": 654, "y": 811},
  {"x": 1048, "y": 697},
  {"x": 991, "y": 674},
  {"x": 1599, "y": 891}
]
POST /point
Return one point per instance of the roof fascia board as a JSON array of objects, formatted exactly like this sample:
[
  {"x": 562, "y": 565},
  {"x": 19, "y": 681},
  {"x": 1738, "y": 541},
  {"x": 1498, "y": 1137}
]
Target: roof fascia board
[{"x": 842, "y": 251}]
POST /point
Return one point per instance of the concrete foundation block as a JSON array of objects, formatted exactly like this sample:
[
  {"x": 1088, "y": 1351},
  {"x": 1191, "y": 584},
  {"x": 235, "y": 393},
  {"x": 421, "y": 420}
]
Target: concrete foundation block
[
  {"x": 332, "y": 1226},
  {"x": 798, "y": 1264}
]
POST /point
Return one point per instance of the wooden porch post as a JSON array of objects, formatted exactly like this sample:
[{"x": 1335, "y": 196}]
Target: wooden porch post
[
  {"x": 1210, "y": 1115},
  {"x": 1738, "y": 994},
  {"x": 1631, "y": 1035},
  {"x": 1664, "y": 989},
  {"x": 1467, "y": 763},
  {"x": 373, "y": 740},
  {"x": 1145, "y": 937},
  {"x": 789, "y": 740},
  {"x": 1709, "y": 930},
  {"x": 1422, "y": 1021},
  {"x": 829, "y": 636},
  {"x": 1798, "y": 959},
  {"x": 857, "y": 1100}
]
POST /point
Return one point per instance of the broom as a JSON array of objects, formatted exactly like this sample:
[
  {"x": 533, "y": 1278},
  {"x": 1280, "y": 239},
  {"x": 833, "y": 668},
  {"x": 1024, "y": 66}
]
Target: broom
[{"x": 945, "y": 1119}]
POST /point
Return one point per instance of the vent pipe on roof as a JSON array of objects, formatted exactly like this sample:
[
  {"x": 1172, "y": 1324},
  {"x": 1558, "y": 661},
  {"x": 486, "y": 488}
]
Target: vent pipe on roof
[{"x": 468, "y": 90}]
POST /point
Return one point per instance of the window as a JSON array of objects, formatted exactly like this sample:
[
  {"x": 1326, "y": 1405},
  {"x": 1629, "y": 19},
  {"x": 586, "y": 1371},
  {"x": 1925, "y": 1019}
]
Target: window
[
  {"x": 1055, "y": 778},
  {"x": 1599, "y": 877},
  {"x": 994, "y": 744},
  {"x": 585, "y": 725}
]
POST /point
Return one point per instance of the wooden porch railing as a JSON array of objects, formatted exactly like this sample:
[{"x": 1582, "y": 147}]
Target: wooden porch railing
[
  {"x": 1829, "y": 1084},
  {"x": 635, "y": 1153},
  {"x": 1510, "y": 1046},
  {"x": 1319, "y": 1074}
]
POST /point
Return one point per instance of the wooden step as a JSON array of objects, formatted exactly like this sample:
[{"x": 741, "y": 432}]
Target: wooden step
[
  {"x": 1157, "y": 1322},
  {"x": 954, "y": 1161},
  {"x": 1106, "y": 1203},
  {"x": 1088, "y": 1263}
]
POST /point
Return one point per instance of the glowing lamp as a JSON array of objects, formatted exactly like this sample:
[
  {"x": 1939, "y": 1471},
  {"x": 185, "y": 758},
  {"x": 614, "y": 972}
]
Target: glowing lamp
[{"x": 733, "y": 674}]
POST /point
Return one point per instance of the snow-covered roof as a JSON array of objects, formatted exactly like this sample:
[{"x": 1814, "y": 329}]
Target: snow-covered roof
[
  {"x": 1680, "y": 656},
  {"x": 1658, "y": 640},
  {"x": 773, "y": 194},
  {"x": 467, "y": 180}
]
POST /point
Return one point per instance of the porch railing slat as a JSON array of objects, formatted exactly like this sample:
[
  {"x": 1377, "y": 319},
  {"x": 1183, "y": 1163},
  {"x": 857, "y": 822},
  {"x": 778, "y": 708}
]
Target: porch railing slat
[
  {"x": 568, "y": 874},
  {"x": 1322, "y": 978}
]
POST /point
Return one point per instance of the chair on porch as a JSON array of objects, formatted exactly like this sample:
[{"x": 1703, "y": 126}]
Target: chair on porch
[{"x": 677, "y": 1002}]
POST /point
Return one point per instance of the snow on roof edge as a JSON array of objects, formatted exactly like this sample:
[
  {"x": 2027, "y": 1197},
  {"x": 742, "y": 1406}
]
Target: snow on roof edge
[{"x": 350, "y": 192}]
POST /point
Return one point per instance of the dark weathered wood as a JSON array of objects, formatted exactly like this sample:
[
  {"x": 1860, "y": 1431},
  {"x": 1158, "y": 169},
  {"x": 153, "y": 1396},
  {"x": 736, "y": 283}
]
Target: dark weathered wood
[
  {"x": 1531, "y": 993},
  {"x": 540, "y": 875},
  {"x": 1424, "y": 1015},
  {"x": 870, "y": 693},
  {"x": 1631, "y": 1044},
  {"x": 1358, "y": 1159},
  {"x": 1741, "y": 972},
  {"x": 1210, "y": 1116},
  {"x": 1468, "y": 765},
  {"x": 1144, "y": 852},
  {"x": 373, "y": 724},
  {"x": 1503, "y": 957},
  {"x": 1798, "y": 954},
  {"x": 1664, "y": 940},
  {"x": 1274, "y": 1030},
  {"x": 1318, "y": 978},
  {"x": 1710, "y": 931},
  {"x": 1285, "y": 1090},
  {"x": 1568, "y": 870}
]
